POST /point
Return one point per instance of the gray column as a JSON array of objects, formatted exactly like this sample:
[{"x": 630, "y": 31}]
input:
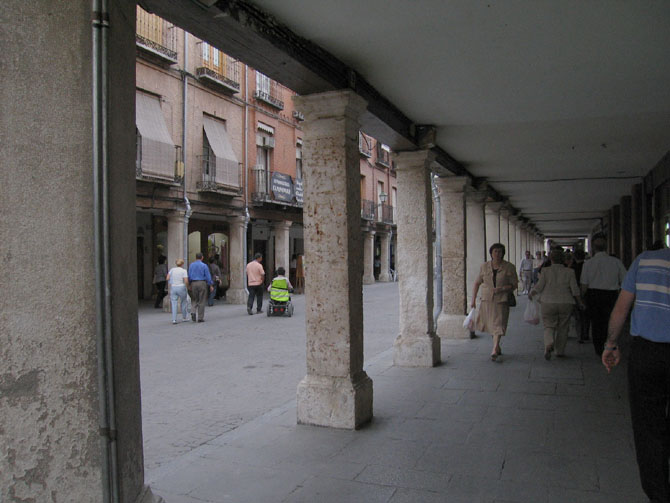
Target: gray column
[
  {"x": 637, "y": 211},
  {"x": 492, "y": 213},
  {"x": 454, "y": 290},
  {"x": 475, "y": 235},
  {"x": 520, "y": 251},
  {"x": 385, "y": 261},
  {"x": 336, "y": 390},
  {"x": 504, "y": 231},
  {"x": 282, "y": 257},
  {"x": 176, "y": 221},
  {"x": 52, "y": 442},
  {"x": 368, "y": 255},
  {"x": 625, "y": 231},
  {"x": 512, "y": 252},
  {"x": 416, "y": 345},
  {"x": 236, "y": 293}
]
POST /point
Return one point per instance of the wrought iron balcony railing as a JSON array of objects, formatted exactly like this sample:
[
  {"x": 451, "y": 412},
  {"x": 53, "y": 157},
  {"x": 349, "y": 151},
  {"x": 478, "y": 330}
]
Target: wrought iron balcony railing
[
  {"x": 156, "y": 36},
  {"x": 172, "y": 176},
  {"x": 218, "y": 68},
  {"x": 222, "y": 177},
  {"x": 383, "y": 155},
  {"x": 268, "y": 91},
  {"x": 368, "y": 210},
  {"x": 364, "y": 145},
  {"x": 387, "y": 213}
]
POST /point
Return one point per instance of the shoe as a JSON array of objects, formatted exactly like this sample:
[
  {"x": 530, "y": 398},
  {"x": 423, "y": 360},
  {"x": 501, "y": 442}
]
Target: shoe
[
  {"x": 547, "y": 353},
  {"x": 499, "y": 351},
  {"x": 174, "y": 322},
  {"x": 201, "y": 321},
  {"x": 250, "y": 312},
  {"x": 193, "y": 317},
  {"x": 259, "y": 311},
  {"x": 494, "y": 356},
  {"x": 184, "y": 319}
]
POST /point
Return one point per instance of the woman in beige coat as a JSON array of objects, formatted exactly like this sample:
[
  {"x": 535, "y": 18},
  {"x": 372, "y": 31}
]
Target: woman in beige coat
[
  {"x": 497, "y": 280},
  {"x": 559, "y": 290}
]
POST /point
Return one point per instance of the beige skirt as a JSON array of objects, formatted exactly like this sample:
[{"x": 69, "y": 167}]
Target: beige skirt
[{"x": 493, "y": 318}]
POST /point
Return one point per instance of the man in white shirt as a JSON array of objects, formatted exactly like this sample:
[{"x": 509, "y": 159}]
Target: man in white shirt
[{"x": 600, "y": 283}]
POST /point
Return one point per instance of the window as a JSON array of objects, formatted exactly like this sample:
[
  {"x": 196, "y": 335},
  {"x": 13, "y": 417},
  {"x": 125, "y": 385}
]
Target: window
[
  {"x": 207, "y": 157},
  {"x": 156, "y": 151},
  {"x": 263, "y": 83},
  {"x": 298, "y": 163},
  {"x": 219, "y": 161}
]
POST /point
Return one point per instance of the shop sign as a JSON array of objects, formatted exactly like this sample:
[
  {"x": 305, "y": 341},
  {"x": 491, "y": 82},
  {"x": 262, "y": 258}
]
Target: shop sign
[
  {"x": 298, "y": 190},
  {"x": 282, "y": 187}
]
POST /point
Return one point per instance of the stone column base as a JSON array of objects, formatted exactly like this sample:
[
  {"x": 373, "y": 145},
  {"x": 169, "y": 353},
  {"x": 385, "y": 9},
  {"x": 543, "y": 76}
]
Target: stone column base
[
  {"x": 384, "y": 277},
  {"x": 336, "y": 402},
  {"x": 236, "y": 296},
  {"x": 149, "y": 497},
  {"x": 368, "y": 280},
  {"x": 421, "y": 351},
  {"x": 450, "y": 326}
]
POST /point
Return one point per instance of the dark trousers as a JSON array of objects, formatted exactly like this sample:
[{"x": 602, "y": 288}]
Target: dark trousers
[
  {"x": 257, "y": 292},
  {"x": 649, "y": 390},
  {"x": 160, "y": 288},
  {"x": 599, "y": 305},
  {"x": 199, "y": 290}
]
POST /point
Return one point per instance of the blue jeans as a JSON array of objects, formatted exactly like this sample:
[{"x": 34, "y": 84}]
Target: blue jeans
[
  {"x": 210, "y": 297},
  {"x": 178, "y": 293}
]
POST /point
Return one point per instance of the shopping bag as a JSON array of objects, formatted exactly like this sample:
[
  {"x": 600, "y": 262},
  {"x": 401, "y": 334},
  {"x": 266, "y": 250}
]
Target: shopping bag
[
  {"x": 532, "y": 313},
  {"x": 188, "y": 303},
  {"x": 470, "y": 320}
]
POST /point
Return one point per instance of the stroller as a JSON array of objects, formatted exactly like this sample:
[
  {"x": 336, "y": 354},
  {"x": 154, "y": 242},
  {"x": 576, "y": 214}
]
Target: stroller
[{"x": 280, "y": 300}]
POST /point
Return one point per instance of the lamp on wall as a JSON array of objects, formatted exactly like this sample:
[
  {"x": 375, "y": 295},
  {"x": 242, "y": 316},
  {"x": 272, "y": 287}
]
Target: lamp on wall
[{"x": 383, "y": 196}]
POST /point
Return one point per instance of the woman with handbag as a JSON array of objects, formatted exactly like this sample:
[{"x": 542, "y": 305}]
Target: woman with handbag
[
  {"x": 558, "y": 286},
  {"x": 497, "y": 281}
]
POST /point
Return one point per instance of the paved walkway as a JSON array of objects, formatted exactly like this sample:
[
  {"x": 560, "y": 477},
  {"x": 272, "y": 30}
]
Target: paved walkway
[{"x": 219, "y": 418}]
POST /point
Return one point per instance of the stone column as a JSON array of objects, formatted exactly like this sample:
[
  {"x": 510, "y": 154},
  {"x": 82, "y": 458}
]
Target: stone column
[
  {"x": 236, "y": 293},
  {"x": 175, "y": 237},
  {"x": 492, "y": 213},
  {"x": 520, "y": 251},
  {"x": 504, "y": 231},
  {"x": 625, "y": 231},
  {"x": 336, "y": 391},
  {"x": 453, "y": 229},
  {"x": 475, "y": 236},
  {"x": 282, "y": 257},
  {"x": 511, "y": 251},
  {"x": 637, "y": 205},
  {"x": 54, "y": 439},
  {"x": 615, "y": 231},
  {"x": 416, "y": 345},
  {"x": 368, "y": 255},
  {"x": 385, "y": 261}
]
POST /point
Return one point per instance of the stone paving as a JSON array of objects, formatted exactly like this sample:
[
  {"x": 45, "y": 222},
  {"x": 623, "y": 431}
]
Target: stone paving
[{"x": 219, "y": 417}]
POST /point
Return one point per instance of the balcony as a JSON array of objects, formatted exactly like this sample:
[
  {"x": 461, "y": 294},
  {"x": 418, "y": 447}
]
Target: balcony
[
  {"x": 156, "y": 37},
  {"x": 280, "y": 189},
  {"x": 220, "y": 176},
  {"x": 364, "y": 145},
  {"x": 268, "y": 91},
  {"x": 218, "y": 69},
  {"x": 158, "y": 164},
  {"x": 387, "y": 214},
  {"x": 383, "y": 155},
  {"x": 368, "y": 210}
]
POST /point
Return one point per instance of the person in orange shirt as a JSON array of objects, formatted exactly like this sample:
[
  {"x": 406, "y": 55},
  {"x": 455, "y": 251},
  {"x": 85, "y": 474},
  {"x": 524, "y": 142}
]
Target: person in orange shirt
[{"x": 255, "y": 278}]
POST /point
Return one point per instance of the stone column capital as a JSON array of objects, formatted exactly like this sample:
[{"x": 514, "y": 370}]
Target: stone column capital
[
  {"x": 451, "y": 183},
  {"x": 176, "y": 216},
  {"x": 369, "y": 230},
  {"x": 330, "y": 104},
  {"x": 282, "y": 225},
  {"x": 414, "y": 159},
  {"x": 492, "y": 207},
  {"x": 474, "y": 196}
]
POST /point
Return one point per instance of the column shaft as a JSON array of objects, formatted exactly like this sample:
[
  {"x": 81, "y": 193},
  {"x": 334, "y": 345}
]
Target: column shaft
[
  {"x": 385, "y": 261},
  {"x": 368, "y": 256},
  {"x": 416, "y": 345},
  {"x": 454, "y": 291},
  {"x": 236, "y": 293},
  {"x": 282, "y": 257},
  {"x": 492, "y": 212},
  {"x": 175, "y": 237},
  {"x": 475, "y": 236},
  {"x": 336, "y": 391}
]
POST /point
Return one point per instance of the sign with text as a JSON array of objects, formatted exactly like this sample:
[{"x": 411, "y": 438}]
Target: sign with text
[
  {"x": 298, "y": 191},
  {"x": 282, "y": 187}
]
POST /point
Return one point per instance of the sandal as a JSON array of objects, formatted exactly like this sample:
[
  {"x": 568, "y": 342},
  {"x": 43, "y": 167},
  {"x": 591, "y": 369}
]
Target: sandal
[{"x": 494, "y": 356}]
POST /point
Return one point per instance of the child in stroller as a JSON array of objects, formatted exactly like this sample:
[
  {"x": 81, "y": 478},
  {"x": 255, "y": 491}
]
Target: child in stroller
[{"x": 280, "y": 300}]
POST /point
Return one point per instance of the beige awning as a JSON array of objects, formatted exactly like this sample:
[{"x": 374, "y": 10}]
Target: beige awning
[
  {"x": 157, "y": 147},
  {"x": 227, "y": 166}
]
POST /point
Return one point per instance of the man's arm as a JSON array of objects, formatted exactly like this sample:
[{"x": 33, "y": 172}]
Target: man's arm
[{"x": 611, "y": 354}]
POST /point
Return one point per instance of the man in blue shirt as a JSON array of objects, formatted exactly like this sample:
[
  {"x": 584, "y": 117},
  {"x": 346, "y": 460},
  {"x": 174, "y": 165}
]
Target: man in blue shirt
[
  {"x": 647, "y": 288},
  {"x": 199, "y": 278}
]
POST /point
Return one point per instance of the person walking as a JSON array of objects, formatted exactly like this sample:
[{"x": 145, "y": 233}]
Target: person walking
[
  {"x": 600, "y": 282},
  {"x": 559, "y": 290},
  {"x": 255, "y": 278},
  {"x": 215, "y": 273},
  {"x": 160, "y": 277},
  {"x": 497, "y": 279},
  {"x": 646, "y": 288},
  {"x": 200, "y": 279},
  {"x": 526, "y": 272},
  {"x": 177, "y": 279}
]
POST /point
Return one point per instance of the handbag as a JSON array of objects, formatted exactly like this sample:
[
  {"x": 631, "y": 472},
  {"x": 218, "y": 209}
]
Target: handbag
[{"x": 511, "y": 299}]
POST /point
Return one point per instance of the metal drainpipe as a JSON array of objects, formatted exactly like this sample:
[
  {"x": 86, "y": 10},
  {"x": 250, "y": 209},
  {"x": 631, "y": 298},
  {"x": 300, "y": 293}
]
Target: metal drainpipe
[
  {"x": 246, "y": 176},
  {"x": 188, "y": 212},
  {"x": 103, "y": 298},
  {"x": 437, "y": 273}
]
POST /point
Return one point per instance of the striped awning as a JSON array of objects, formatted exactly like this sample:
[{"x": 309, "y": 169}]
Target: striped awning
[
  {"x": 157, "y": 147},
  {"x": 226, "y": 165},
  {"x": 265, "y": 128}
]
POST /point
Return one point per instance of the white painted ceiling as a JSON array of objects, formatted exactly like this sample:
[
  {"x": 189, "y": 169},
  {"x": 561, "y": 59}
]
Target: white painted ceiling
[{"x": 561, "y": 104}]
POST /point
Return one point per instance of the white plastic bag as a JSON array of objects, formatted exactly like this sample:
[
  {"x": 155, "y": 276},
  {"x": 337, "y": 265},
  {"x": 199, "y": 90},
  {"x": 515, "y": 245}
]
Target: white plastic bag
[
  {"x": 470, "y": 320},
  {"x": 532, "y": 313}
]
